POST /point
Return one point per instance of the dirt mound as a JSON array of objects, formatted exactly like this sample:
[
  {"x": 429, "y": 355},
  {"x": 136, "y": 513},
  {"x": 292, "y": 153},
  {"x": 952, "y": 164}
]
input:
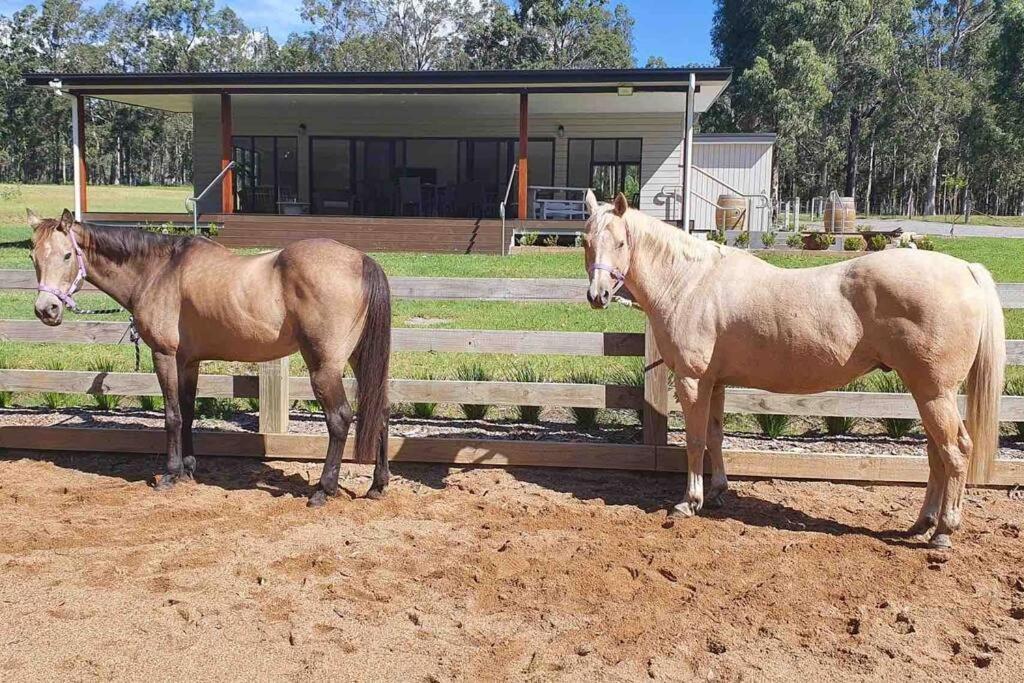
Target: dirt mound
[{"x": 490, "y": 574}]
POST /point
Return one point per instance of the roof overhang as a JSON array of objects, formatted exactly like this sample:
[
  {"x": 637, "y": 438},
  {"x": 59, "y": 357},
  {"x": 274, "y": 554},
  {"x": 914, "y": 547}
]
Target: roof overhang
[{"x": 650, "y": 89}]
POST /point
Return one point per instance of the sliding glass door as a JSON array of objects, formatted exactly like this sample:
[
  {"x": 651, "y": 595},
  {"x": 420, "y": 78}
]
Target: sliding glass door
[
  {"x": 266, "y": 172},
  {"x": 607, "y": 165}
]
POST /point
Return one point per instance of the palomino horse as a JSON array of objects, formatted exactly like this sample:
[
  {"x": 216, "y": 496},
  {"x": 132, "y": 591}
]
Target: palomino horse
[
  {"x": 194, "y": 300},
  {"x": 722, "y": 317}
]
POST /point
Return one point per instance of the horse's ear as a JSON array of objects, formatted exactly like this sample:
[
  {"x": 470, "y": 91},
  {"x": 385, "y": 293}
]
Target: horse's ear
[
  {"x": 33, "y": 219},
  {"x": 621, "y": 205},
  {"x": 591, "y": 202},
  {"x": 67, "y": 219}
]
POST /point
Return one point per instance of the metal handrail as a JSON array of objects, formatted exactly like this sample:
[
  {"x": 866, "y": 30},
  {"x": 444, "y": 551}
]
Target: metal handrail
[
  {"x": 504, "y": 202},
  {"x": 192, "y": 203},
  {"x": 759, "y": 195}
]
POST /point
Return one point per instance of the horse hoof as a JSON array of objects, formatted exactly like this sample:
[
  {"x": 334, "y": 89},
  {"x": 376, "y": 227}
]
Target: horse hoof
[
  {"x": 921, "y": 527},
  {"x": 166, "y": 482},
  {"x": 683, "y": 510},
  {"x": 376, "y": 492},
  {"x": 941, "y": 542},
  {"x": 715, "y": 499},
  {"x": 318, "y": 499}
]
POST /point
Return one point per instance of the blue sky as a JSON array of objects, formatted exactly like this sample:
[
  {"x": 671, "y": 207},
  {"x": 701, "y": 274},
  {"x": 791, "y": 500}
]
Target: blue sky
[{"x": 678, "y": 30}]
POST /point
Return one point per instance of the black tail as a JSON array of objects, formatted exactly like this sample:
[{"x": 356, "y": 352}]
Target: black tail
[{"x": 372, "y": 356}]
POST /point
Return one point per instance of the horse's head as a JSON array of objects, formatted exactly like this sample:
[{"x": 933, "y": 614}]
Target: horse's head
[
  {"x": 607, "y": 248},
  {"x": 58, "y": 268}
]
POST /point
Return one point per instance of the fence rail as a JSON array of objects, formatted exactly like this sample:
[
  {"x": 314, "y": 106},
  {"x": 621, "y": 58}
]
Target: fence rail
[{"x": 275, "y": 388}]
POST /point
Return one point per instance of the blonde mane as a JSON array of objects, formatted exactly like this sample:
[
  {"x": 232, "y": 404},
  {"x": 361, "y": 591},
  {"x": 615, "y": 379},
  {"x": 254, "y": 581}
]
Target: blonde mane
[{"x": 659, "y": 240}]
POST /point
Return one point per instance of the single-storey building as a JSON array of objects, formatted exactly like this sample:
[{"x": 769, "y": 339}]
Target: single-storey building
[{"x": 437, "y": 160}]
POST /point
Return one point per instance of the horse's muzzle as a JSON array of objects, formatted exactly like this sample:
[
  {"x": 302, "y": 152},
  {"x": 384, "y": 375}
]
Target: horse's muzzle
[
  {"x": 599, "y": 299},
  {"x": 50, "y": 313}
]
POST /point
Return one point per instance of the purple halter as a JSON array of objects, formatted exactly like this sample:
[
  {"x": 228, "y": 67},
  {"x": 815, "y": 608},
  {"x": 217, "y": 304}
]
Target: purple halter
[
  {"x": 67, "y": 298},
  {"x": 616, "y": 274}
]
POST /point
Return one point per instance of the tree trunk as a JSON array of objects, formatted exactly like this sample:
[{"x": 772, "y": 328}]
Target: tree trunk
[
  {"x": 871, "y": 177},
  {"x": 853, "y": 153},
  {"x": 933, "y": 181}
]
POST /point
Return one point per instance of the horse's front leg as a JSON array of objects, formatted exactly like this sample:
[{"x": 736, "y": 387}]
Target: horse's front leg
[
  {"x": 188, "y": 381},
  {"x": 716, "y": 434},
  {"x": 695, "y": 399},
  {"x": 166, "y": 367}
]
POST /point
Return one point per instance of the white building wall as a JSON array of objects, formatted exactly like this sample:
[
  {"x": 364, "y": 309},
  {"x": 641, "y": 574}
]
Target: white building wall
[{"x": 736, "y": 161}]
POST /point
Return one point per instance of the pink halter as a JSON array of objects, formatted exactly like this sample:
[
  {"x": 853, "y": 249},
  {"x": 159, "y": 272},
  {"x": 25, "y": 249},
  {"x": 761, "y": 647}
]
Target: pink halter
[{"x": 67, "y": 298}]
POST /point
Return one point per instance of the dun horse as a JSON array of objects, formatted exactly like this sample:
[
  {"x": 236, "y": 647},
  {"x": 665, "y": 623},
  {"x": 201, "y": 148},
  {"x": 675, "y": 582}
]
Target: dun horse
[
  {"x": 195, "y": 300},
  {"x": 723, "y": 317}
]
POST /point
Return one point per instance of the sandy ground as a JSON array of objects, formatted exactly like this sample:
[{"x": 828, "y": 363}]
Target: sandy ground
[{"x": 484, "y": 574}]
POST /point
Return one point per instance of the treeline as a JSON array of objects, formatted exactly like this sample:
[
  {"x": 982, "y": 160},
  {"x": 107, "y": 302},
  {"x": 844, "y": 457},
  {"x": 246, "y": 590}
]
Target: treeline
[
  {"x": 132, "y": 145},
  {"x": 909, "y": 105}
]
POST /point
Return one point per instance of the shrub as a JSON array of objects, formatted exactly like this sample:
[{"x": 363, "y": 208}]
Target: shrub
[
  {"x": 877, "y": 243},
  {"x": 742, "y": 240},
  {"x": 526, "y": 373},
  {"x": 925, "y": 242},
  {"x": 585, "y": 418},
  {"x": 550, "y": 241},
  {"x": 105, "y": 401},
  {"x": 424, "y": 411},
  {"x": 310, "y": 406},
  {"x": 890, "y": 383},
  {"x": 717, "y": 236},
  {"x": 577, "y": 241},
  {"x": 819, "y": 241},
  {"x": 52, "y": 399},
  {"x": 1015, "y": 387},
  {"x": 795, "y": 241},
  {"x": 252, "y": 404},
  {"x": 772, "y": 426},
  {"x": 836, "y": 425},
  {"x": 768, "y": 239},
  {"x": 151, "y": 402},
  {"x": 853, "y": 244},
  {"x": 528, "y": 239},
  {"x": 474, "y": 372}
]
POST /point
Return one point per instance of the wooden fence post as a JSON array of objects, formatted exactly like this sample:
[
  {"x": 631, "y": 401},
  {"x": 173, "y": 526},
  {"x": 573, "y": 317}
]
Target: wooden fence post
[
  {"x": 274, "y": 400},
  {"x": 655, "y": 431}
]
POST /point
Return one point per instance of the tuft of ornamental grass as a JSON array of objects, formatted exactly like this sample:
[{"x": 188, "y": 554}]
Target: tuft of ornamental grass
[
  {"x": 425, "y": 410},
  {"x": 216, "y": 408},
  {"x": 474, "y": 372},
  {"x": 6, "y": 397},
  {"x": 151, "y": 403},
  {"x": 105, "y": 401},
  {"x": 836, "y": 425},
  {"x": 632, "y": 375},
  {"x": 853, "y": 244},
  {"x": 890, "y": 383},
  {"x": 52, "y": 399},
  {"x": 768, "y": 239},
  {"x": 1015, "y": 387},
  {"x": 252, "y": 404},
  {"x": 526, "y": 373},
  {"x": 585, "y": 418},
  {"x": 772, "y": 426}
]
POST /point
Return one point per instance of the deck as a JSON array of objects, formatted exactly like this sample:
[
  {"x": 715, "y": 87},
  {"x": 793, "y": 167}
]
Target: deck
[{"x": 413, "y": 234}]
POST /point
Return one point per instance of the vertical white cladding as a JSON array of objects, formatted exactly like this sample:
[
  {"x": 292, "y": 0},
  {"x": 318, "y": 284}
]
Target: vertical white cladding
[{"x": 739, "y": 161}]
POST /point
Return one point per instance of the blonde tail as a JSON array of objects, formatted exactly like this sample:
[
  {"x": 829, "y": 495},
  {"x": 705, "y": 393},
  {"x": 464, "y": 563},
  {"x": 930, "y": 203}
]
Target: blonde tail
[{"x": 985, "y": 382}]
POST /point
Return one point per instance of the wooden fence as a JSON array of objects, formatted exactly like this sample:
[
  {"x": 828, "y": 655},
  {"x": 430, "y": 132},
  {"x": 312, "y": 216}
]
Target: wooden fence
[{"x": 275, "y": 389}]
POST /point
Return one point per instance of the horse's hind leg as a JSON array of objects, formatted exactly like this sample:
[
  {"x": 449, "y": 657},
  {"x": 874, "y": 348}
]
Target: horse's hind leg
[
  {"x": 330, "y": 392},
  {"x": 382, "y": 469},
  {"x": 929, "y": 515},
  {"x": 716, "y": 433},
  {"x": 941, "y": 420}
]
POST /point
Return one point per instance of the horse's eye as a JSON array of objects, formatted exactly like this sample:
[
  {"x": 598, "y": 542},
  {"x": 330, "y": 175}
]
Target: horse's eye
[
  {"x": 67, "y": 256},
  {"x": 622, "y": 244}
]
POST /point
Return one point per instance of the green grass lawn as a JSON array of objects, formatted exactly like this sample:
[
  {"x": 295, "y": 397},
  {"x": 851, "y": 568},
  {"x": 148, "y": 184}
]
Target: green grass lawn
[{"x": 49, "y": 200}]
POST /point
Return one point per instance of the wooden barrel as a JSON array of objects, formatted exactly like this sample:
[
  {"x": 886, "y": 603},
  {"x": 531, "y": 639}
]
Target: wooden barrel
[
  {"x": 731, "y": 213},
  {"x": 841, "y": 218}
]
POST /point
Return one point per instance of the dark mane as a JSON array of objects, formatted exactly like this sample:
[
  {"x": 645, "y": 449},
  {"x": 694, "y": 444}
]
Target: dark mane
[{"x": 122, "y": 243}]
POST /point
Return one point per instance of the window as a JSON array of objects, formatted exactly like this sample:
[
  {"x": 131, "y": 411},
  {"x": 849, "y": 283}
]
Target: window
[
  {"x": 266, "y": 172},
  {"x": 607, "y": 165}
]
